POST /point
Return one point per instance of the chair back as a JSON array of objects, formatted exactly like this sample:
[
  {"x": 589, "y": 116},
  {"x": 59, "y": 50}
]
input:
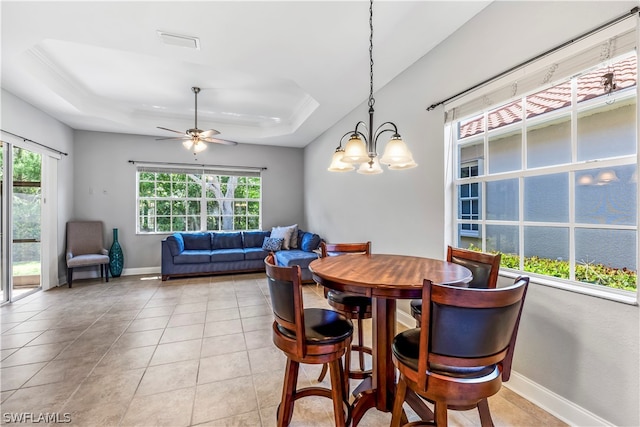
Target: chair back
[
  {"x": 468, "y": 327},
  {"x": 85, "y": 237},
  {"x": 484, "y": 266},
  {"x": 285, "y": 290},
  {"x": 333, "y": 249}
]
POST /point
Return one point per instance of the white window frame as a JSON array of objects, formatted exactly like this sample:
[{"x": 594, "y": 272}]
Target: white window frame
[
  {"x": 466, "y": 105},
  {"x": 202, "y": 199}
]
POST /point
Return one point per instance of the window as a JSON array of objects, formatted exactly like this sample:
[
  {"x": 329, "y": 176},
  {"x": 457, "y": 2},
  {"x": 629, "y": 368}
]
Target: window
[
  {"x": 549, "y": 178},
  {"x": 171, "y": 200},
  {"x": 469, "y": 197}
]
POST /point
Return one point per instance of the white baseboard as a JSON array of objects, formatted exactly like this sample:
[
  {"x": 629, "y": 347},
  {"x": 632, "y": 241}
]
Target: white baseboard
[
  {"x": 93, "y": 274},
  {"x": 551, "y": 402}
]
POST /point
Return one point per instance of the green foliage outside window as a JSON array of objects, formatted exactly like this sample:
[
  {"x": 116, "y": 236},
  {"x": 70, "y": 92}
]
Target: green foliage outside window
[
  {"x": 597, "y": 274},
  {"x": 170, "y": 202}
]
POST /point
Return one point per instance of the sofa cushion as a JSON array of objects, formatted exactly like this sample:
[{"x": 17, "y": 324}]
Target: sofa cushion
[
  {"x": 284, "y": 233},
  {"x": 231, "y": 240},
  {"x": 197, "y": 241},
  {"x": 226, "y": 255},
  {"x": 192, "y": 257},
  {"x": 295, "y": 257},
  {"x": 255, "y": 253},
  {"x": 272, "y": 244},
  {"x": 309, "y": 242},
  {"x": 175, "y": 242},
  {"x": 254, "y": 239}
]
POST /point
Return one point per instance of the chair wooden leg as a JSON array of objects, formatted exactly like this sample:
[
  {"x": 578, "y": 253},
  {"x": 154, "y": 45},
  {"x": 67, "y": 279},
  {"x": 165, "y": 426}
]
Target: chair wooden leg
[
  {"x": 323, "y": 372},
  {"x": 485, "y": 414},
  {"x": 337, "y": 391},
  {"x": 106, "y": 271},
  {"x": 440, "y": 411},
  {"x": 69, "y": 276},
  {"x": 285, "y": 411},
  {"x": 360, "y": 344},
  {"x": 396, "y": 414}
]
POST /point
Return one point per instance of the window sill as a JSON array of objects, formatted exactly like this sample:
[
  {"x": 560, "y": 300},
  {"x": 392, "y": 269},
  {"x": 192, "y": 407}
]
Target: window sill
[{"x": 611, "y": 294}]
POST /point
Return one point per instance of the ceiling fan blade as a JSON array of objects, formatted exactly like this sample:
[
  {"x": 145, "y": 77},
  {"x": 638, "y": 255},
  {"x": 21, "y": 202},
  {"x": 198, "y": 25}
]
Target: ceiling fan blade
[
  {"x": 173, "y": 138},
  {"x": 219, "y": 141},
  {"x": 208, "y": 133},
  {"x": 170, "y": 130}
]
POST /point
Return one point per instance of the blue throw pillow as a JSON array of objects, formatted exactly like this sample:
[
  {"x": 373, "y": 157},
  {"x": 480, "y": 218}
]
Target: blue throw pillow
[
  {"x": 310, "y": 242},
  {"x": 272, "y": 244}
]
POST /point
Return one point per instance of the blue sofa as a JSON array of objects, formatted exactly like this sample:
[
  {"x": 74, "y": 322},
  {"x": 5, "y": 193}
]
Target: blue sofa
[{"x": 191, "y": 254}]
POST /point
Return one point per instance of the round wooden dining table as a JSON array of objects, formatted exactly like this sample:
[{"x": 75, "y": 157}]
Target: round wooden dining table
[{"x": 384, "y": 278}]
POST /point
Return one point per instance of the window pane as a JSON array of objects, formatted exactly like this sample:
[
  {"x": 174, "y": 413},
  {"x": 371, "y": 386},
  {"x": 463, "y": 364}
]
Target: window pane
[
  {"x": 549, "y": 100},
  {"x": 608, "y": 130},
  {"x": 253, "y": 223},
  {"x": 546, "y": 198},
  {"x": 546, "y": 251},
  {"x": 469, "y": 156},
  {"x": 549, "y": 143},
  {"x": 595, "y": 83},
  {"x": 505, "y": 152},
  {"x": 254, "y": 208},
  {"x": 471, "y": 126},
  {"x": 502, "y": 200},
  {"x": 504, "y": 239},
  {"x": 607, "y": 196},
  {"x": 505, "y": 115}
]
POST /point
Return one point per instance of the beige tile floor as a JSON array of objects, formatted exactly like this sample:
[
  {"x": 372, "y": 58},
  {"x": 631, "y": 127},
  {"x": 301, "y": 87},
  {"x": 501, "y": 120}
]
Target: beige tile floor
[{"x": 141, "y": 352}]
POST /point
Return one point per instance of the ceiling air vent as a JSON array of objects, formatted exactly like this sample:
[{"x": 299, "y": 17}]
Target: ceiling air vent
[{"x": 179, "y": 40}]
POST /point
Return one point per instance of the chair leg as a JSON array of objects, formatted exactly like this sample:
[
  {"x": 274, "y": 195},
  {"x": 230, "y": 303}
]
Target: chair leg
[
  {"x": 323, "y": 372},
  {"x": 360, "y": 344},
  {"x": 401, "y": 391},
  {"x": 285, "y": 411},
  {"x": 485, "y": 414},
  {"x": 106, "y": 271},
  {"x": 69, "y": 276},
  {"x": 337, "y": 391},
  {"x": 440, "y": 412}
]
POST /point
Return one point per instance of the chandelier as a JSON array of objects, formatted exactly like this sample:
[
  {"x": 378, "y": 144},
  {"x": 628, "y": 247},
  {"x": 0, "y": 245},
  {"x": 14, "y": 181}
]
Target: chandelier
[{"x": 361, "y": 148}]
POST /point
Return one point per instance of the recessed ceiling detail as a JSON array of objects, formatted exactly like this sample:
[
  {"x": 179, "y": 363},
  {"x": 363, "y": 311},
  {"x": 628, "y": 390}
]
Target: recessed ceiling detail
[{"x": 271, "y": 72}]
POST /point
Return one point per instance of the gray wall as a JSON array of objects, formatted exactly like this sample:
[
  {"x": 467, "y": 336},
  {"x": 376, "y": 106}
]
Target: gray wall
[
  {"x": 23, "y": 119},
  {"x": 105, "y": 184},
  {"x": 583, "y": 348}
]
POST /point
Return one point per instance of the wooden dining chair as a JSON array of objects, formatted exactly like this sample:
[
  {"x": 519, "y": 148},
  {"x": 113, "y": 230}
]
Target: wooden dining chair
[
  {"x": 355, "y": 307},
  {"x": 484, "y": 267},
  {"x": 462, "y": 351},
  {"x": 311, "y": 336}
]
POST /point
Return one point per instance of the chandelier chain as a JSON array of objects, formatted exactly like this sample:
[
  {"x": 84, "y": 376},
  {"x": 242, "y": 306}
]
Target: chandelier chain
[{"x": 371, "y": 99}]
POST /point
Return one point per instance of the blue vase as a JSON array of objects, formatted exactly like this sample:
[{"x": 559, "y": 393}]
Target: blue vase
[{"x": 116, "y": 257}]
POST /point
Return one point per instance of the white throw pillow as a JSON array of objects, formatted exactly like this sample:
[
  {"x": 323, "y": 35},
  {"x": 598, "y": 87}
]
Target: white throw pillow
[{"x": 283, "y": 233}]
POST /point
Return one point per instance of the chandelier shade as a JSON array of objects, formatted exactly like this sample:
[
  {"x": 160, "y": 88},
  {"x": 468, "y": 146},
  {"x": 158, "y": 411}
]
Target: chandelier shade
[
  {"x": 395, "y": 153},
  {"x": 337, "y": 165},
  {"x": 370, "y": 168},
  {"x": 355, "y": 151},
  {"x": 362, "y": 145}
]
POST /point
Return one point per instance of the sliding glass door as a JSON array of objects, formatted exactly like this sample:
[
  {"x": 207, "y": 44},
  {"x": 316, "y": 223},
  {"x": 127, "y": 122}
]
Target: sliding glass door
[{"x": 20, "y": 220}]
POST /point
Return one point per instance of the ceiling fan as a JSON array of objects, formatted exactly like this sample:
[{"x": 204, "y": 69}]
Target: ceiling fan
[{"x": 195, "y": 138}]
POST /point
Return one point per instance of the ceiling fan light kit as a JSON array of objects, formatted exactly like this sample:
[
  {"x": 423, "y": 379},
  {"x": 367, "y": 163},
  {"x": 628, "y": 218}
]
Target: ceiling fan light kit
[
  {"x": 362, "y": 144},
  {"x": 195, "y": 139}
]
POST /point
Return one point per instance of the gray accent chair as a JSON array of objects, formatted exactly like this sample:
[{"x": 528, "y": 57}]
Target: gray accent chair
[{"x": 85, "y": 247}]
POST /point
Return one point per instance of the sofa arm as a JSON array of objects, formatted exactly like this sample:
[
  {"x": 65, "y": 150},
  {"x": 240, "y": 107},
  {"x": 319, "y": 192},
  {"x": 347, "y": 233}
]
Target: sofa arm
[{"x": 174, "y": 243}]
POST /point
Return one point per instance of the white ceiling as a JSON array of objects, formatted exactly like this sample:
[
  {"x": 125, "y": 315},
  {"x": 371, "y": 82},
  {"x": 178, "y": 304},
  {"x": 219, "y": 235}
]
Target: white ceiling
[{"x": 277, "y": 73}]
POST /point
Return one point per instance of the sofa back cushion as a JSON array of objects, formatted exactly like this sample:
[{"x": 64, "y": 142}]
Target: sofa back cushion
[
  {"x": 254, "y": 239},
  {"x": 197, "y": 241},
  {"x": 176, "y": 244},
  {"x": 230, "y": 240}
]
